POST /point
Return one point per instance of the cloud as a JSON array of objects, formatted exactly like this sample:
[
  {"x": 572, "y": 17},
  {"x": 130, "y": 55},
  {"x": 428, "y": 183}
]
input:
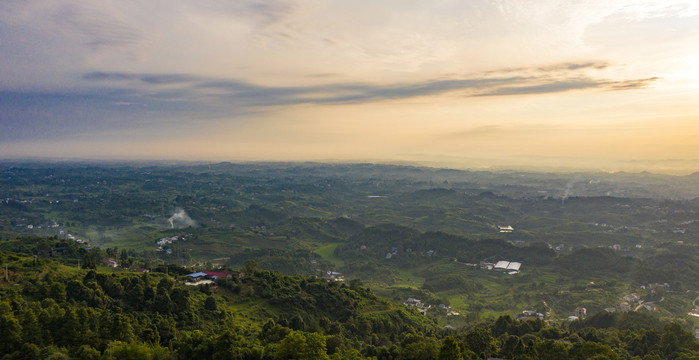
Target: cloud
[
  {"x": 155, "y": 79},
  {"x": 505, "y": 82},
  {"x": 99, "y": 28},
  {"x": 571, "y": 66},
  {"x": 107, "y": 101},
  {"x": 570, "y": 84},
  {"x": 631, "y": 84},
  {"x": 263, "y": 13},
  {"x": 549, "y": 87}
]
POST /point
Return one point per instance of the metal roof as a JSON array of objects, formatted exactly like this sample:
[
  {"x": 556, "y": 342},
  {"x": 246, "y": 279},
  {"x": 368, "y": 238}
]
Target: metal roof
[{"x": 196, "y": 274}]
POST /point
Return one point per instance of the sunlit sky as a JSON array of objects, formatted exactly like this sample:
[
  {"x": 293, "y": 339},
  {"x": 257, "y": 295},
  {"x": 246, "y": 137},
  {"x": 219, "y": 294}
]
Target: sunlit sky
[{"x": 542, "y": 84}]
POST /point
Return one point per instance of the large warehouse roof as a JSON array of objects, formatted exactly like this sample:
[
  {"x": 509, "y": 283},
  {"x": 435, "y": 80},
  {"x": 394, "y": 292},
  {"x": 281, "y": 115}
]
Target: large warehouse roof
[{"x": 508, "y": 265}]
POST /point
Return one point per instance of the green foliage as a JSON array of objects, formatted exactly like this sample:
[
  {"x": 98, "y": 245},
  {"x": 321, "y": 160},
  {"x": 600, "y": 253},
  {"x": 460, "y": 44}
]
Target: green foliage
[
  {"x": 136, "y": 351},
  {"x": 450, "y": 349},
  {"x": 299, "y": 346}
]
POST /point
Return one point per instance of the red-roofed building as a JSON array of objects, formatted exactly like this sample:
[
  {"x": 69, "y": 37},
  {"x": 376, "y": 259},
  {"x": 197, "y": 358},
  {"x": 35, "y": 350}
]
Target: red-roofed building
[{"x": 215, "y": 274}]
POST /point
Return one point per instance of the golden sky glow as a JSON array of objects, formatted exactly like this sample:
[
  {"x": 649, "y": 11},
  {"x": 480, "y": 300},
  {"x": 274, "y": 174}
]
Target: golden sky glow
[{"x": 601, "y": 85}]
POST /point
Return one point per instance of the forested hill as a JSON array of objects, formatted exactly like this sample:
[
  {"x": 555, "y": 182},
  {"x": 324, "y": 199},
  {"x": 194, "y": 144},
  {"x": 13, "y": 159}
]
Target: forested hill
[{"x": 49, "y": 310}]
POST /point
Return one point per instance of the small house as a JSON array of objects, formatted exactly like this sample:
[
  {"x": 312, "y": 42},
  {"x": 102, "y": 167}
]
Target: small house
[
  {"x": 110, "y": 263},
  {"x": 632, "y": 297},
  {"x": 625, "y": 307},
  {"x": 413, "y": 302}
]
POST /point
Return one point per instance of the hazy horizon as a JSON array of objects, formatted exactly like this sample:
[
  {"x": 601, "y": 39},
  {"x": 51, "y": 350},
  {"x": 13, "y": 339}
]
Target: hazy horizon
[
  {"x": 584, "y": 85},
  {"x": 505, "y": 168}
]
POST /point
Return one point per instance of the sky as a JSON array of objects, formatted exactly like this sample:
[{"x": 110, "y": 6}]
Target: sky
[{"x": 608, "y": 85}]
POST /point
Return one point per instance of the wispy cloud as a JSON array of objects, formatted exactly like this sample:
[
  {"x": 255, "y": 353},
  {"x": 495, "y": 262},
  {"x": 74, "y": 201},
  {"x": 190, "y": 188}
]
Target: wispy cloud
[
  {"x": 631, "y": 84},
  {"x": 549, "y": 79},
  {"x": 263, "y": 13},
  {"x": 572, "y": 66}
]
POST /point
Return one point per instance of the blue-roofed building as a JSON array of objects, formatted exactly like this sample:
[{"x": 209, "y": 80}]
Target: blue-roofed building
[{"x": 196, "y": 275}]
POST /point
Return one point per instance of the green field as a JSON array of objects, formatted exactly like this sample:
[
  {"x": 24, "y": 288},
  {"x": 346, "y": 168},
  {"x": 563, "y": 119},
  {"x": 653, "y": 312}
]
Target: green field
[{"x": 327, "y": 252}]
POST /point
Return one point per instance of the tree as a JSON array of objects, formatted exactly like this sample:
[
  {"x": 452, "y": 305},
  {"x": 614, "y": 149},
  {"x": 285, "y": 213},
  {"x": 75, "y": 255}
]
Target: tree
[
  {"x": 163, "y": 304},
  {"x": 272, "y": 333},
  {"x": 417, "y": 347},
  {"x": 450, "y": 349},
  {"x": 299, "y": 347},
  {"x": 674, "y": 339},
  {"x": 250, "y": 266},
  {"x": 592, "y": 350},
  {"x": 355, "y": 284},
  {"x": 210, "y": 303},
  {"x": 70, "y": 328},
  {"x": 297, "y": 322},
  {"x": 135, "y": 296},
  {"x": 551, "y": 350},
  {"x": 120, "y": 328},
  {"x": 31, "y": 331},
  {"x": 480, "y": 341},
  {"x": 135, "y": 350},
  {"x": 10, "y": 330},
  {"x": 512, "y": 347},
  {"x": 315, "y": 347},
  {"x": 86, "y": 352},
  {"x": 29, "y": 351},
  {"x": 291, "y": 346},
  {"x": 503, "y": 325},
  {"x": 180, "y": 298}
]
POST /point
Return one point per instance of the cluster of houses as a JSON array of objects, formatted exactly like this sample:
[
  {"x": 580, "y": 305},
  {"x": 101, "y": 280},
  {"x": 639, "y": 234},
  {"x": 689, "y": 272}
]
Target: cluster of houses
[
  {"x": 394, "y": 251},
  {"x": 422, "y": 308},
  {"x": 578, "y": 313},
  {"x": 31, "y": 226},
  {"x": 529, "y": 315},
  {"x": 60, "y": 250},
  {"x": 63, "y": 235},
  {"x": 333, "y": 276},
  {"x": 632, "y": 302},
  {"x": 208, "y": 277},
  {"x": 653, "y": 287},
  {"x": 167, "y": 240},
  {"x": 163, "y": 242},
  {"x": 109, "y": 262}
]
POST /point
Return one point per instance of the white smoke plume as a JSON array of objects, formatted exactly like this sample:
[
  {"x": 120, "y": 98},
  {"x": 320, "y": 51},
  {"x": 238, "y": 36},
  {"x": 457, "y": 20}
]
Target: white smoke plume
[{"x": 181, "y": 218}]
